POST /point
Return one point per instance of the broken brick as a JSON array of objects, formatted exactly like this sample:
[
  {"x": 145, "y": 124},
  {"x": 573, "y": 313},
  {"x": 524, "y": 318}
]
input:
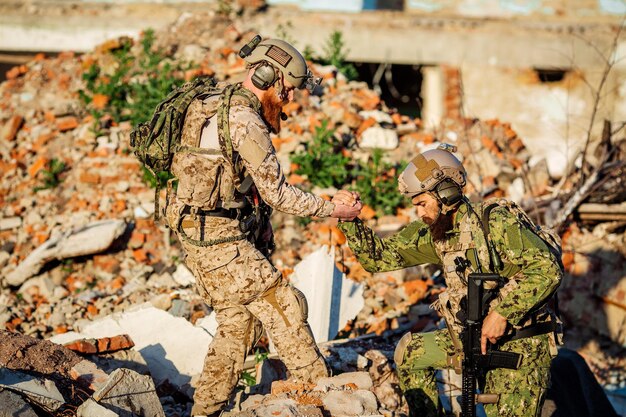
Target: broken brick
[
  {"x": 39, "y": 165},
  {"x": 11, "y": 127},
  {"x": 67, "y": 123},
  {"x": 89, "y": 178}
]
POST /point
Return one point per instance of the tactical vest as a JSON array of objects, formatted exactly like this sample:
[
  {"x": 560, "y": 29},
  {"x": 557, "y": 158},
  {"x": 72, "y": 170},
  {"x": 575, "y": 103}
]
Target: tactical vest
[
  {"x": 471, "y": 238},
  {"x": 208, "y": 172}
]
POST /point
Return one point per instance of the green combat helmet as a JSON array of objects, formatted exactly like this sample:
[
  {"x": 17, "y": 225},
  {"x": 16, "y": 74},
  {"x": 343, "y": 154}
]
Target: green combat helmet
[
  {"x": 437, "y": 172},
  {"x": 273, "y": 55}
]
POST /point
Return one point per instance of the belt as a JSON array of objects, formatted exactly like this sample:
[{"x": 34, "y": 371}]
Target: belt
[{"x": 218, "y": 212}]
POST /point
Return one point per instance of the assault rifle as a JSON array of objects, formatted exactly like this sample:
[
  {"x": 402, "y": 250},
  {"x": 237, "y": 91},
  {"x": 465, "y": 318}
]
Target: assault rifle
[{"x": 474, "y": 363}]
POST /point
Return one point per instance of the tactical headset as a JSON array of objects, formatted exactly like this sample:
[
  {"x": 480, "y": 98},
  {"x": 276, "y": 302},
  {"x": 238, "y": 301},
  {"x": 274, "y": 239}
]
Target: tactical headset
[
  {"x": 264, "y": 76},
  {"x": 448, "y": 192}
]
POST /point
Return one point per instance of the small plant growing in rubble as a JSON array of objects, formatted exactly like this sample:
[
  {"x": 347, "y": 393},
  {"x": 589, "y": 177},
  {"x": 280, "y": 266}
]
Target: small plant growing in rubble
[
  {"x": 136, "y": 85},
  {"x": 322, "y": 161},
  {"x": 376, "y": 182},
  {"x": 335, "y": 54},
  {"x": 51, "y": 174}
]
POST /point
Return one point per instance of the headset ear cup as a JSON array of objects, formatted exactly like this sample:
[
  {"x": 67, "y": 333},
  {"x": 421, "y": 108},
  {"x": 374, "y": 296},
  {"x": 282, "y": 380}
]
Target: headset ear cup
[
  {"x": 449, "y": 192},
  {"x": 264, "y": 76}
]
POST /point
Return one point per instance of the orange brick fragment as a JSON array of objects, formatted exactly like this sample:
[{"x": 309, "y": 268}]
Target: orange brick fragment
[
  {"x": 369, "y": 122},
  {"x": 83, "y": 346},
  {"x": 41, "y": 141},
  {"x": 67, "y": 123},
  {"x": 367, "y": 213},
  {"x": 120, "y": 342},
  {"x": 280, "y": 387},
  {"x": 415, "y": 290},
  {"x": 99, "y": 101},
  {"x": 140, "y": 255},
  {"x": 39, "y": 164},
  {"x": 337, "y": 235},
  {"x": 89, "y": 178},
  {"x": 12, "y": 126},
  {"x": 119, "y": 206},
  {"x": 137, "y": 239}
]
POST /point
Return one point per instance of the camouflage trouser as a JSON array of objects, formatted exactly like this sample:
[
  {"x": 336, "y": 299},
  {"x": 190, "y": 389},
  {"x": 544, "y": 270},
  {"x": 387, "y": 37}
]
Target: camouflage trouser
[
  {"x": 244, "y": 288},
  {"x": 521, "y": 391}
]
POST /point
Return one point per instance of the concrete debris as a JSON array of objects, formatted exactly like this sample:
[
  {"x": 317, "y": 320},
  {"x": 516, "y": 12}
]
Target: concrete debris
[
  {"x": 173, "y": 348},
  {"x": 86, "y": 240},
  {"x": 183, "y": 276},
  {"x": 91, "y": 408},
  {"x": 13, "y": 405},
  {"x": 42, "y": 392},
  {"x": 10, "y": 223},
  {"x": 357, "y": 403},
  {"x": 333, "y": 299},
  {"x": 129, "y": 394},
  {"x": 88, "y": 374},
  {"x": 377, "y": 137}
]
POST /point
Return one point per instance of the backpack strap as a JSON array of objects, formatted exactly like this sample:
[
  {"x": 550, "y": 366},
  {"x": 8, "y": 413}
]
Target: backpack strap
[
  {"x": 223, "y": 124},
  {"x": 495, "y": 264}
]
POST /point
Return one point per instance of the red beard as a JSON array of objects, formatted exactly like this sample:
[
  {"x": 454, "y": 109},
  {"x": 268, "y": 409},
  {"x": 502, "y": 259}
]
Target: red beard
[{"x": 272, "y": 107}]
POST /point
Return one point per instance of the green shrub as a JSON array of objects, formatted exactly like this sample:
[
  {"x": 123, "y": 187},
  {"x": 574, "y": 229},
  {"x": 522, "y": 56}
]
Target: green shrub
[
  {"x": 335, "y": 54},
  {"x": 323, "y": 162},
  {"x": 137, "y": 84},
  {"x": 376, "y": 182},
  {"x": 51, "y": 174}
]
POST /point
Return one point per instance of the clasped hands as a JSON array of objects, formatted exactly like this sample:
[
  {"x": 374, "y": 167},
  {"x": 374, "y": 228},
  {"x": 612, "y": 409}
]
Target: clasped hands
[{"x": 348, "y": 205}]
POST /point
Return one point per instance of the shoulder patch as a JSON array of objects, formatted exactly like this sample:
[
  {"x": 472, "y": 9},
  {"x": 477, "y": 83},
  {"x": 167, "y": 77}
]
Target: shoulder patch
[{"x": 250, "y": 135}]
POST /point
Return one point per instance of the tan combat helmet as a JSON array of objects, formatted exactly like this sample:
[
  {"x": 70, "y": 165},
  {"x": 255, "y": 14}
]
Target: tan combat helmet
[
  {"x": 436, "y": 171},
  {"x": 280, "y": 56}
]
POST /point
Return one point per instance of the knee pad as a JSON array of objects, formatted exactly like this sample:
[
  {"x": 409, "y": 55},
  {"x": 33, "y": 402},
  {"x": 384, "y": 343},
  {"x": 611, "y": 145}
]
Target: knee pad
[
  {"x": 302, "y": 302},
  {"x": 398, "y": 354}
]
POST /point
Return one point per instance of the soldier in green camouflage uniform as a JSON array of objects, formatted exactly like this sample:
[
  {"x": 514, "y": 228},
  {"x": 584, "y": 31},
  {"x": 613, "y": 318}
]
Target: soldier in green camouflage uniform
[
  {"x": 449, "y": 234},
  {"x": 228, "y": 178}
]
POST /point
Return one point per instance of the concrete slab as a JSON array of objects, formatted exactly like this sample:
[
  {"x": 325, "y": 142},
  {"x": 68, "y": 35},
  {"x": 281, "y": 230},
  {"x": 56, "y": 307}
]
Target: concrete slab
[
  {"x": 130, "y": 394},
  {"x": 173, "y": 348},
  {"x": 85, "y": 240},
  {"x": 42, "y": 392},
  {"x": 333, "y": 299},
  {"x": 13, "y": 405},
  {"x": 91, "y": 408}
]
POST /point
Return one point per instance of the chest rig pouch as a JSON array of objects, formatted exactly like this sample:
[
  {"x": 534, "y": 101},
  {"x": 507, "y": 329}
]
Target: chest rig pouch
[{"x": 211, "y": 178}]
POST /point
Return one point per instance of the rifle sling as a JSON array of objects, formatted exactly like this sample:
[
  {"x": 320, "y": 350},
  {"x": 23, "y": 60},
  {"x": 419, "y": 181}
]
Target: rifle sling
[{"x": 530, "y": 331}]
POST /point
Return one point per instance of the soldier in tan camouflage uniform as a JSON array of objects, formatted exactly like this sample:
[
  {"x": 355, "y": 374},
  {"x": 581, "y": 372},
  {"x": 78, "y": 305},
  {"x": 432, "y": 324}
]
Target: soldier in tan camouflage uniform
[
  {"x": 228, "y": 178},
  {"x": 449, "y": 234}
]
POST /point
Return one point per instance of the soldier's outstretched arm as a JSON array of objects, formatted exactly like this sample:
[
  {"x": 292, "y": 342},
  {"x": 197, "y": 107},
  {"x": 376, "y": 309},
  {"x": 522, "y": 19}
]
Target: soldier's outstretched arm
[
  {"x": 252, "y": 141},
  {"x": 409, "y": 247},
  {"x": 519, "y": 247}
]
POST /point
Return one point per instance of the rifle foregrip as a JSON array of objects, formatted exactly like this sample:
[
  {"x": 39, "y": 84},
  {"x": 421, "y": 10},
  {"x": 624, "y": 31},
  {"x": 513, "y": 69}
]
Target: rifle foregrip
[{"x": 497, "y": 359}]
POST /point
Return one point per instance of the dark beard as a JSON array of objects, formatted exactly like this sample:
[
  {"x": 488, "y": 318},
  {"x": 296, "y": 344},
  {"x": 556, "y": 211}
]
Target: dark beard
[
  {"x": 272, "y": 107},
  {"x": 443, "y": 224}
]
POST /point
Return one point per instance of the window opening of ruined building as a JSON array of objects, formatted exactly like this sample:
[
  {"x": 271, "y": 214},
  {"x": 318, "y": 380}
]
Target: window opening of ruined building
[
  {"x": 398, "y": 85},
  {"x": 550, "y": 75},
  {"x": 10, "y": 59}
]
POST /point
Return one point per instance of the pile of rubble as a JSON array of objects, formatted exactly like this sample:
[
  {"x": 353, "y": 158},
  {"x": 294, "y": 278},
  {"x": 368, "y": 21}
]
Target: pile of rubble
[{"x": 78, "y": 245}]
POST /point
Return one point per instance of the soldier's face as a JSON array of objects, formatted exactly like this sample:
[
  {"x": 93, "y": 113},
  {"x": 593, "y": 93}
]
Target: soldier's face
[{"x": 426, "y": 208}]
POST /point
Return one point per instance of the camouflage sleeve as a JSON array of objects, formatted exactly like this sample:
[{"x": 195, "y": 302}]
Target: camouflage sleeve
[
  {"x": 251, "y": 140},
  {"x": 409, "y": 247},
  {"x": 540, "y": 273}
]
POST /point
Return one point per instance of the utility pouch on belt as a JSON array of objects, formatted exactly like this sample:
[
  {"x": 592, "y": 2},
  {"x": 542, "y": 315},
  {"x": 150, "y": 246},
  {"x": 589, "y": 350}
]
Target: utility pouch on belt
[{"x": 248, "y": 223}]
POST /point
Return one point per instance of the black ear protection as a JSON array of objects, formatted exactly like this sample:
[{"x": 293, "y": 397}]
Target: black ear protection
[
  {"x": 448, "y": 192},
  {"x": 264, "y": 76}
]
